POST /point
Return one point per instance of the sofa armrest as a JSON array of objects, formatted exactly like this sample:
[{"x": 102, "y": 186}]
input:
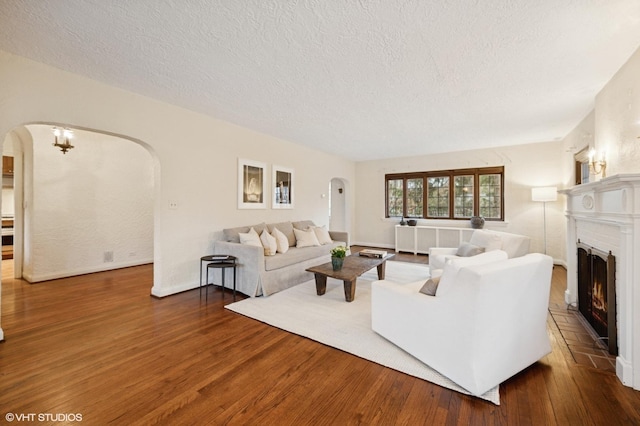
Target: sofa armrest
[
  {"x": 340, "y": 236},
  {"x": 250, "y": 264}
]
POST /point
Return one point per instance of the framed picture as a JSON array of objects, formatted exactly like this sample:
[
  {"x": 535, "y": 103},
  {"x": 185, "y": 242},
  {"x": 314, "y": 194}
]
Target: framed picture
[
  {"x": 282, "y": 188},
  {"x": 252, "y": 184}
]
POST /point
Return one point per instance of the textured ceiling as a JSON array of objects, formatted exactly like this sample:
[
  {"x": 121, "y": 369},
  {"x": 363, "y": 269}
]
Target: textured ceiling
[{"x": 362, "y": 79}]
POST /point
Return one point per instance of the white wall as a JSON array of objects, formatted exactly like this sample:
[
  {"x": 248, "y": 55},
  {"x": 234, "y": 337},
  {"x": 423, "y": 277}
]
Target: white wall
[
  {"x": 617, "y": 119},
  {"x": 526, "y": 166},
  {"x": 614, "y": 124},
  {"x": 194, "y": 156},
  {"x": 97, "y": 198}
]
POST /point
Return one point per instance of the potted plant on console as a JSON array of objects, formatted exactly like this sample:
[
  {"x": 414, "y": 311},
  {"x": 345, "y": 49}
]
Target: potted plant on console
[{"x": 337, "y": 257}]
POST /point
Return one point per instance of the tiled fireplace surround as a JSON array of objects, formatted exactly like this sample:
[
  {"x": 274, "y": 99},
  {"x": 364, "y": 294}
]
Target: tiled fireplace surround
[{"x": 606, "y": 215}]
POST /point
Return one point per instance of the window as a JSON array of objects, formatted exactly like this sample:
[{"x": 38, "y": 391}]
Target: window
[
  {"x": 438, "y": 197},
  {"x": 463, "y": 196},
  {"x": 414, "y": 197},
  {"x": 395, "y": 205},
  {"x": 491, "y": 196},
  {"x": 446, "y": 194}
]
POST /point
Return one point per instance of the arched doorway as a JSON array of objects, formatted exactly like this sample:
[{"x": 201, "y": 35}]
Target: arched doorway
[
  {"x": 88, "y": 210},
  {"x": 338, "y": 220}
]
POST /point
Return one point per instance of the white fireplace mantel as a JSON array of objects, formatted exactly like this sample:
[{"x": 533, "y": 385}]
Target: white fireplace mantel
[{"x": 606, "y": 215}]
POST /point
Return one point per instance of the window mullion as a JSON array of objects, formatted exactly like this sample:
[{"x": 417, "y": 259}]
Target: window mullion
[
  {"x": 404, "y": 197},
  {"x": 476, "y": 194}
]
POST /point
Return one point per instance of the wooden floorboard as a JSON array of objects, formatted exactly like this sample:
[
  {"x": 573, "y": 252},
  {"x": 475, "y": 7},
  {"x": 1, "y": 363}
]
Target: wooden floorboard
[{"x": 101, "y": 346}]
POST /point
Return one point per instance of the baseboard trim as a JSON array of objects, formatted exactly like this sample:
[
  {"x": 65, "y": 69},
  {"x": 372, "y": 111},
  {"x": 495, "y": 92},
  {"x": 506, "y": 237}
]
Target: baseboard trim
[
  {"x": 83, "y": 271},
  {"x": 387, "y": 246},
  {"x": 168, "y": 291}
]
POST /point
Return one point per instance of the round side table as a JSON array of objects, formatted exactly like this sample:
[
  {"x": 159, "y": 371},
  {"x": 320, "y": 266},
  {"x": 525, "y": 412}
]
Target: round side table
[{"x": 218, "y": 261}]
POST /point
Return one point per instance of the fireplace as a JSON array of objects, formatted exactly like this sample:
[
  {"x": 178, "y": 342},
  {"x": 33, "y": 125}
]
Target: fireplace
[
  {"x": 606, "y": 214},
  {"x": 597, "y": 293}
]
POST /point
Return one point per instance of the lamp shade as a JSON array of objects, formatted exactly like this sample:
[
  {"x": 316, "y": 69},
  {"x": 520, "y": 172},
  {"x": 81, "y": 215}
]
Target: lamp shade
[{"x": 544, "y": 193}]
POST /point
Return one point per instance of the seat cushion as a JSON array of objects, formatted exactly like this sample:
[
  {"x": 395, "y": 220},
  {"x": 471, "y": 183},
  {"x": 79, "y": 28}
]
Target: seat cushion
[{"x": 295, "y": 255}]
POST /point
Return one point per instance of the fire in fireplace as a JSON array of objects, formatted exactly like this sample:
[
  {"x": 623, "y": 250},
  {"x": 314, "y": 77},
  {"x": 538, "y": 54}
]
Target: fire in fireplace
[{"x": 597, "y": 294}]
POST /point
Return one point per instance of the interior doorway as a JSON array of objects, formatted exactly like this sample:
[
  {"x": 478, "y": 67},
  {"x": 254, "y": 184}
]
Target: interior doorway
[
  {"x": 338, "y": 205},
  {"x": 8, "y": 202},
  {"x": 95, "y": 203}
]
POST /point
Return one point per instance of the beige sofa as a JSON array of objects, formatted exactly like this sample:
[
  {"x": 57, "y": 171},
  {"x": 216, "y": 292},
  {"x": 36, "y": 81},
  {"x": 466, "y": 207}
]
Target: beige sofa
[{"x": 260, "y": 275}]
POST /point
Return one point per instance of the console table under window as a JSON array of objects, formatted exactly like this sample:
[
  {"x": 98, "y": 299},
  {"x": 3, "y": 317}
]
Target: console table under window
[{"x": 419, "y": 239}]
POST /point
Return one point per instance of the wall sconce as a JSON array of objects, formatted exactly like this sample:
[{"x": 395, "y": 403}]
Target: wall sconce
[
  {"x": 599, "y": 165},
  {"x": 66, "y": 135},
  {"x": 340, "y": 190}
]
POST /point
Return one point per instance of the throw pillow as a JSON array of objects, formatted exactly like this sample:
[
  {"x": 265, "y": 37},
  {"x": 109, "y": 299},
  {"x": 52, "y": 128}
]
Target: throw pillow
[
  {"x": 250, "y": 238},
  {"x": 429, "y": 288},
  {"x": 282, "y": 242},
  {"x": 286, "y": 228},
  {"x": 269, "y": 243},
  {"x": 322, "y": 234},
  {"x": 305, "y": 238},
  {"x": 468, "y": 250},
  {"x": 232, "y": 234}
]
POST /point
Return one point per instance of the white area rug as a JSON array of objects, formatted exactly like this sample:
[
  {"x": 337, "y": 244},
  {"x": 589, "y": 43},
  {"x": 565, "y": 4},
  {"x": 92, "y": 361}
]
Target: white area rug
[{"x": 330, "y": 320}]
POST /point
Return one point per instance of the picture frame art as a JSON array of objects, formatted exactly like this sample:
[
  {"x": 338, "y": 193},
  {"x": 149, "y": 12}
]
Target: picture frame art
[
  {"x": 252, "y": 184},
  {"x": 282, "y": 188}
]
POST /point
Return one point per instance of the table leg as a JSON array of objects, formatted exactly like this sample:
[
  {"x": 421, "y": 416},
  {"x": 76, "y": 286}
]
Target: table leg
[
  {"x": 321, "y": 284},
  {"x": 349, "y": 290},
  {"x": 223, "y": 282},
  {"x": 381, "y": 270},
  {"x": 206, "y": 287},
  {"x": 234, "y": 283}
]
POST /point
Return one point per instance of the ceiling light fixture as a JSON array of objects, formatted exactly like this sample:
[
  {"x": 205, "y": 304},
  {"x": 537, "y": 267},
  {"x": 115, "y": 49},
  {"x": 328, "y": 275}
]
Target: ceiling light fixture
[{"x": 66, "y": 135}]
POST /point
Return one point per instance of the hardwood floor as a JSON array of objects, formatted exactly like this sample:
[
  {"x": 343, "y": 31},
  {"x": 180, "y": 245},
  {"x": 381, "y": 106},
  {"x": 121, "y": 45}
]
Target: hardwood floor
[{"x": 98, "y": 345}]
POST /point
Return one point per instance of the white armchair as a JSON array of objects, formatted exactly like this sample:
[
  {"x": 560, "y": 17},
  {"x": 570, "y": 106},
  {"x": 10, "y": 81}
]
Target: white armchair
[
  {"x": 485, "y": 323},
  {"x": 515, "y": 245}
]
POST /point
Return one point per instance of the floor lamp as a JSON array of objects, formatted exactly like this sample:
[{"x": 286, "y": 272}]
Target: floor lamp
[{"x": 544, "y": 194}]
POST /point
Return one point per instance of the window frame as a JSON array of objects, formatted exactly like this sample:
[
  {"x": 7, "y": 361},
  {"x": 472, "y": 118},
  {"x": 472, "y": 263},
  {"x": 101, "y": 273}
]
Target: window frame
[{"x": 451, "y": 174}]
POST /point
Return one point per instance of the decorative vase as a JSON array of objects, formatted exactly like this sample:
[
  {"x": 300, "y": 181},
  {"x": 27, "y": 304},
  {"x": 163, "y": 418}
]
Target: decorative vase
[
  {"x": 336, "y": 263},
  {"x": 477, "y": 222}
]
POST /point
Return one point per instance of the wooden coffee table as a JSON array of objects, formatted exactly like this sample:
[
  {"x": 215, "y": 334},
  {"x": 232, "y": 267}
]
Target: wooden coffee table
[{"x": 353, "y": 266}]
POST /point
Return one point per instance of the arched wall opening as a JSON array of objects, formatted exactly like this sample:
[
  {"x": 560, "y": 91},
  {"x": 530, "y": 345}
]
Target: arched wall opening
[
  {"x": 339, "y": 213},
  {"x": 89, "y": 210}
]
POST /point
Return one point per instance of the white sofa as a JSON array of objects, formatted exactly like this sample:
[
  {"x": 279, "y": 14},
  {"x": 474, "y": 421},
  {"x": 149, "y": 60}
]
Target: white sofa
[
  {"x": 513, "y": 244},
  {"x": 485, "y": 323},
  {"x": 260, "y": 275}
]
